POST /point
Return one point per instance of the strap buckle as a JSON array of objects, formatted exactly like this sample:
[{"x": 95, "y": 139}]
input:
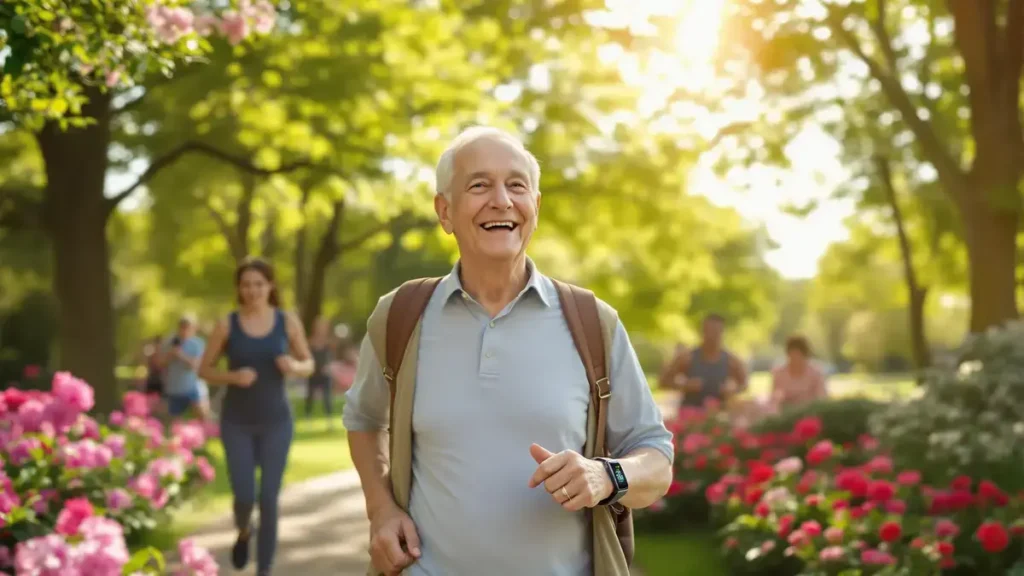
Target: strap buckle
[
  {"x": 388, "y": 374},
  {"x": 604, "y": 389}
]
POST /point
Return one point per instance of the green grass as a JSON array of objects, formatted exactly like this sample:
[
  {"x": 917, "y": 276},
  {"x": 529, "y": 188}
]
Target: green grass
[
  {"x": 693, "y": 554},
  {"x": 315, "y": 451}
]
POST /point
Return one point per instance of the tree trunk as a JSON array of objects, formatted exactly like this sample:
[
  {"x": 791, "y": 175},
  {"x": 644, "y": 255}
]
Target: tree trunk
[
  {"x": 917, "y": 294},
  {"x": 919, "y": 339},
  {"x": 325, "y": 256},
  {"x": 300, "y": 251},
  {"x": 991, "y": 237},
  {"x": 76, "y": 214},
  {"x": 269, "y": 240},
  {"x": 244, "y": 221}
]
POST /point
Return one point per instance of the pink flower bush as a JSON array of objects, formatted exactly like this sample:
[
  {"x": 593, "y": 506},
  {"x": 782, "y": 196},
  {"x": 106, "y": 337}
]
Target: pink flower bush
[{"x": 74, "y": 492}]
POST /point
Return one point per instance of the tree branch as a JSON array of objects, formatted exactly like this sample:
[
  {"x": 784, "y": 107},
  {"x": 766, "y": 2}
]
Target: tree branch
[
  {"x": 936, "y": 153},
  {"x": 413, "y": 224},
  {"x": 161, "y": 162},
  {"x": 225, "y": 229}
]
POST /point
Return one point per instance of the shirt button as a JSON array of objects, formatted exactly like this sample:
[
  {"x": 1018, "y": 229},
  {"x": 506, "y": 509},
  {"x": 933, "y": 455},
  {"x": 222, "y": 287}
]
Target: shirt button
[
  {"x": 492, "y": 324},
  {"x": 489, "y": 354}
]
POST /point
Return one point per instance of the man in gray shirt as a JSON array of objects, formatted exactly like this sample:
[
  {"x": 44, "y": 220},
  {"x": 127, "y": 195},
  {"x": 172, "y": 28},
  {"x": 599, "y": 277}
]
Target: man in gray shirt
[
  {"x": 500, "y": 408},
  {"x": 180, "y": 358}
]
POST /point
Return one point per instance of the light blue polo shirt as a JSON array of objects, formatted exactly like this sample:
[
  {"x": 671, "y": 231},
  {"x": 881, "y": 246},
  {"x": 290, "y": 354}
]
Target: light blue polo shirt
[
  {"x": 181, "y": 379},
  {"x": 486, "y": 389}
]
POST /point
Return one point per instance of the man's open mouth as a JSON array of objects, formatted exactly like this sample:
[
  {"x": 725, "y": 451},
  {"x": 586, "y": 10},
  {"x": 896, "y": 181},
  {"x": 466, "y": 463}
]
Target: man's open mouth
[{"x": 502, "y": 225}]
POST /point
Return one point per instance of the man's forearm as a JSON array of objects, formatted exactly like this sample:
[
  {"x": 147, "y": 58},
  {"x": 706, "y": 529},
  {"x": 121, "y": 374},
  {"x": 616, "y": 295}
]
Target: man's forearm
[
  {"x": 649, "y": 474},
  {"x": 370, "y": 456}
]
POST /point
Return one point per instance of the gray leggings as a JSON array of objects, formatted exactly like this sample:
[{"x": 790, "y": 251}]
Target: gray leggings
[{"x": 245, "y": 448}]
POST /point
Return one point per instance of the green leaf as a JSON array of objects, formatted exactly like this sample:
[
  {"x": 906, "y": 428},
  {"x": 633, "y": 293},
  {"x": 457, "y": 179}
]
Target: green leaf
[{"x": 19, "y": 24}]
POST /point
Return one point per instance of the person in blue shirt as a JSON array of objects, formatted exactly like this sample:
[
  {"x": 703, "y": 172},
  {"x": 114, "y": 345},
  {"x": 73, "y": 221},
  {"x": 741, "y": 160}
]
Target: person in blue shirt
[{"x": 179, "y": 357}]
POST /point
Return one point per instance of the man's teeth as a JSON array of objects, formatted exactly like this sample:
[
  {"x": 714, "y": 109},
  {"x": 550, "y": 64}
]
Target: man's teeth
[{"x": 491, "y": 225}]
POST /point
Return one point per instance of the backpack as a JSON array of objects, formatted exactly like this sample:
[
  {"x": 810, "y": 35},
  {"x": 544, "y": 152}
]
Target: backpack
[{"x": 591, "y": 323}]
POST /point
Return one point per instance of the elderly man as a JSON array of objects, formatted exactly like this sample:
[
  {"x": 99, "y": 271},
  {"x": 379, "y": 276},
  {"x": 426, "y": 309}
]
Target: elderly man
[{"x": 498, "y": 482}]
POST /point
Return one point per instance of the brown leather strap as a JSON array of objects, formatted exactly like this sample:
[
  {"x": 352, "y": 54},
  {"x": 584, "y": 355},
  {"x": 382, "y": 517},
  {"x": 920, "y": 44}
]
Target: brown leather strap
[
  {"x": 408, "y": 305},
  {"x": 579, "y": 306}
]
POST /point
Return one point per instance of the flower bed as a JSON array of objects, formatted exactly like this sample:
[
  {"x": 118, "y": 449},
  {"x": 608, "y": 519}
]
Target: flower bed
[
  {"x": 794, "y": 502},
  {"x": 77, "y": 495}
]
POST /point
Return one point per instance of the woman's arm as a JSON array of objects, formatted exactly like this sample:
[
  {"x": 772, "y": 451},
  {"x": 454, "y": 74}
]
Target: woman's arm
[
  {"x": 207, "y": 369},
  {"x": 301, "y": 361}
]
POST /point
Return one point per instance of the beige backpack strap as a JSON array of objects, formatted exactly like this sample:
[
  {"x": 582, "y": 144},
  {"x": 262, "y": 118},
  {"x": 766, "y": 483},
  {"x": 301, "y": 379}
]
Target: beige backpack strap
[{"x": 406, "y": 309}]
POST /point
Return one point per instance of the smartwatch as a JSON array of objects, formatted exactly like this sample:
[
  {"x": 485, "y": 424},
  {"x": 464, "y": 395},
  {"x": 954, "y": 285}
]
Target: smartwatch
[{"x": 618, "y": 478}]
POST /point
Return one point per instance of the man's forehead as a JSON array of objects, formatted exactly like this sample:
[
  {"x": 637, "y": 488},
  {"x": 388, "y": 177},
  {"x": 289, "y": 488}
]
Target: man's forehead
[{"x": 490, "y": 156}]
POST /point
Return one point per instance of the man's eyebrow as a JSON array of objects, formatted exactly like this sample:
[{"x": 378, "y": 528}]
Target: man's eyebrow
[{"x": 482, "y": 174}]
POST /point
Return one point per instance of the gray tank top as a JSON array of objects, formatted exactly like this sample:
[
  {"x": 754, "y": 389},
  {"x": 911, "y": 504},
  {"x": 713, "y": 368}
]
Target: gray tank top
[
  {"x": 712, "y": 374},
  {"x": 266, "y": 401}
]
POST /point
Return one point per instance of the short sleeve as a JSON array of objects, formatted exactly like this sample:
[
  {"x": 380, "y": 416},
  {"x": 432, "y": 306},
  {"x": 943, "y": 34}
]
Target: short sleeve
[
  {"x": 368, "y": 401},
  {"x": 634, "y": 418}
]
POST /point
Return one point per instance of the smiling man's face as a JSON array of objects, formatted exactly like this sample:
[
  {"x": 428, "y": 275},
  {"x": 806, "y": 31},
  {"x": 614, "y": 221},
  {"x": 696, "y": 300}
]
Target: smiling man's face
[{"x": 492, "y": 205}]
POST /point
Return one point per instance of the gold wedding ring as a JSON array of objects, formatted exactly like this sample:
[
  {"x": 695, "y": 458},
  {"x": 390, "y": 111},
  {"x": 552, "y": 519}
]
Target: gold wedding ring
[{"x": 566, "y": 494}]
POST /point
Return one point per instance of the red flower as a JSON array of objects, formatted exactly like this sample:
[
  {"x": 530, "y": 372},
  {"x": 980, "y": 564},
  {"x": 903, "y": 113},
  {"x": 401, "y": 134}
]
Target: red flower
[
  {"x": 993, "y": 537},
  {"x": 786, "y": 525},
  {"x": 753, "y": 495},
  {"x": 762, "y": 509},
  {"x": 880, "y": 465},
  {"x": 890, "y": 531},
  {"x": 917, "y": 543},
  {"x": 760, "y": 472},
  {"x": 700, "y": 463},
  {"x": 676, "y": 487},
  {"x": 881, "y": 491},
  {"x": 961, "y": 483},
  {"x": 716, "y": 493},
  {"x": 989, "y": 492},
  {"x": 852, "y": 481},
  {"x": 726, "y": 449},
  {"x": 945, "y": 548},
  {"x": 808, "y": 428},
  {"x": 811, "y": 528},
  {"x": 908, "y": 478},
  {"x": 896, "y": 506},
  {"x": 840, "y": 505},
  {"x": 946, "y": 529},
  {"x": 821, "y": 452},
  {"x": 31, "y": 371}
]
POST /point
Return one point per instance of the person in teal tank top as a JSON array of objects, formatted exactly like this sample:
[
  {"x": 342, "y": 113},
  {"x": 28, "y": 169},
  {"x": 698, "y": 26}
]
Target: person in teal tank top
[
  {"x": 708, "y": 372},
  {"x": 264, "y": 345}
]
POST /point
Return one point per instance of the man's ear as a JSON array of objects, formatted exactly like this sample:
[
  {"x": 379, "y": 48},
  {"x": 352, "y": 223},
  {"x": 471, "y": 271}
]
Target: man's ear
[{"x": 441, "y": 207}]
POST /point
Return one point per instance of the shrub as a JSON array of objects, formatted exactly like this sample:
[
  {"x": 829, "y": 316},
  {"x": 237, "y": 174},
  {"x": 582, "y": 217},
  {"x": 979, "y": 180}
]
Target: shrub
[
  {"x": 970, "y": 417},
  {"x": 75, "y": 493},
  {"x": 843, "y": 420}
]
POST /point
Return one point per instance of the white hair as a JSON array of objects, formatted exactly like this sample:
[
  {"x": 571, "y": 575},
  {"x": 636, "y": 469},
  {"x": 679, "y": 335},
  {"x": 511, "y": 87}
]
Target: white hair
[{"x": 445, "y": 171}]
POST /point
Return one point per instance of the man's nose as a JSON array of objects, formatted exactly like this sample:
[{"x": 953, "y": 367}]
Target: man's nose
[{"x": 501, "y": 198}]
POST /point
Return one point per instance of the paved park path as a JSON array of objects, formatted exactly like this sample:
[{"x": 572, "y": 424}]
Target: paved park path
[{"x": 323, "y": 530}]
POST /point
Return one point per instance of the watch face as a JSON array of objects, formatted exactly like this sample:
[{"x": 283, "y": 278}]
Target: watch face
[{"x": 620, "y": 476}]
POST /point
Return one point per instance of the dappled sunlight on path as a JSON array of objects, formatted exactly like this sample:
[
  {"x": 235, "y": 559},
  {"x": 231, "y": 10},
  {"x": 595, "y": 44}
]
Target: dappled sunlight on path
[{"x": 323, "y": 530}]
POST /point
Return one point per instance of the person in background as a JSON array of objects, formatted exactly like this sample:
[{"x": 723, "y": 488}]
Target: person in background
[
  {"x": 154, "y": 382},
  {"x": 264, "y": 345},
  {"x": 179, "y": 358},
  {"x": 322, "y": 348},
  {"x": 707, "y": 372},
  {"x": 798, "y": 381}
]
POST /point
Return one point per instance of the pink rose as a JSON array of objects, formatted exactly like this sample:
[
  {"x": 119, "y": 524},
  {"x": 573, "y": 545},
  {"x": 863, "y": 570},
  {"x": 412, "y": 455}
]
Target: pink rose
[
  {"x": 834, "y": 535},
  {"x": 71, "y": 517}
]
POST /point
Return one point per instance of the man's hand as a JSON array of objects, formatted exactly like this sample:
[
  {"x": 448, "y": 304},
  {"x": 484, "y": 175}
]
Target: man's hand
[
  {"x": 573, "y": 481},
  {"x": 389, "y": 530}
]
